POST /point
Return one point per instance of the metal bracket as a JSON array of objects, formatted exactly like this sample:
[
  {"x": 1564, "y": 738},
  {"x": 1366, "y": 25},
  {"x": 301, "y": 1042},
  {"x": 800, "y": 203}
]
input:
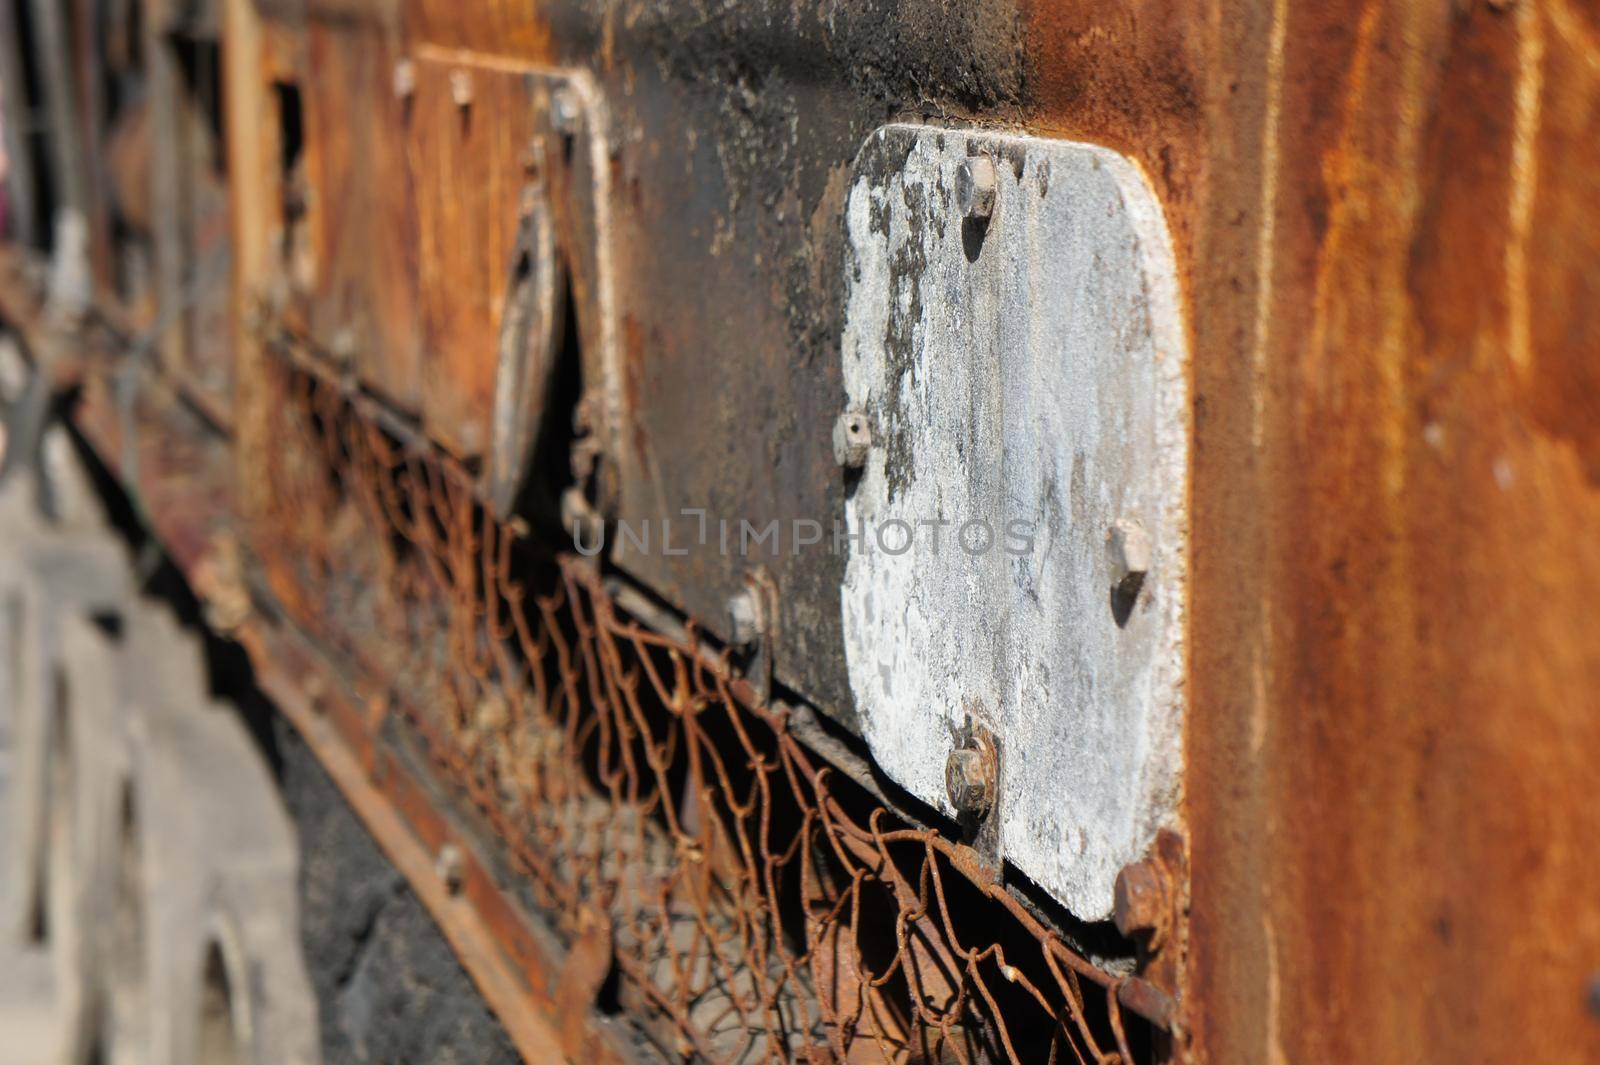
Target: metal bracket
[{"x": 529, "y": 337}]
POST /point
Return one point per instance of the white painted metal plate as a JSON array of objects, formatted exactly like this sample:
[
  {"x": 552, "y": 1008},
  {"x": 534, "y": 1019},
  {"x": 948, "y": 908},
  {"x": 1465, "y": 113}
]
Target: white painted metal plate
[{"x": 1031, "y": 374}]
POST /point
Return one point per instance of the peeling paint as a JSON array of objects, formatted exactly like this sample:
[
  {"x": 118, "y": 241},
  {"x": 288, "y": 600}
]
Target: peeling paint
[{"x": 1029, "y": 371}]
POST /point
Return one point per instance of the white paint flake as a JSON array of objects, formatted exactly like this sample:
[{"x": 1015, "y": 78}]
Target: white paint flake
[{"x": 1036, "y": 373}]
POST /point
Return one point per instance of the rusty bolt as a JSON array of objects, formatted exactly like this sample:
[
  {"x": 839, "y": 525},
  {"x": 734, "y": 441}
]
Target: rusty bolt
[
  {"x": 450, "y": 866},
  {"x": 1594, "y": 995},
  {"x": 744, "y": 618},
  {"x": 969, "y": 776},
  {"x": 1142, "y": 902},
  {"x": 975, "y": 187},
  {"x": 1130, "y": 550},
  {"x": 852, "y": 439}
]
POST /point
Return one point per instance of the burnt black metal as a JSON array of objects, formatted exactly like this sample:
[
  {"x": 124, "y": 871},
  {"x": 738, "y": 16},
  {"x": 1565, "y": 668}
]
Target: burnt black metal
[{"x": 731, "y": 373}]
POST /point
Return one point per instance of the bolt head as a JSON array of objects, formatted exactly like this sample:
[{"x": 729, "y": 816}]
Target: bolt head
[
  {"x": 744, "y": 619},
  {"x": 461, "y": 88},
  {"x": 1140, "y": 899},
  {"x": 405, "y": 78},
  {"x": 969, "y": 778},
  {"x": 578, "y": 517},
  {"x": 564, "y": 111},
  {"x": 852, "y": 439},
  {"x": 343, "y": 345},
  {"x": 976, "y": 183},
  {"x": 450, "y": 867},
  {"x": 1130, "y": 549}
]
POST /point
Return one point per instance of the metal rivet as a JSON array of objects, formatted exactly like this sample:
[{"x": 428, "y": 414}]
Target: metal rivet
[
  {"x": 745, "y": 623},
  {"x": 975, "y": 187},
  {"x": 852, "y": 439},
  {"x": 1130, "y": 550},
  {"x": 970, "y": 775},
  {"x": 450, "y": 867},
  {"x": 342, "y": 346},
  {"x": 461, "y": 88},
  {"x": 564, "y": 111},
  {"x": 405, "y": 79}
]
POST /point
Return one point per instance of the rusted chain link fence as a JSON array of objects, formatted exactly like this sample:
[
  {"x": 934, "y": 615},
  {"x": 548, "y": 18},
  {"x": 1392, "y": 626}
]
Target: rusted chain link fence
[{"x": 760, "y": 905}]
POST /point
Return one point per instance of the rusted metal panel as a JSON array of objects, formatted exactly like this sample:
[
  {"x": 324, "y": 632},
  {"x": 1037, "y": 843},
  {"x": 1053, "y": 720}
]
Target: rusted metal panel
[
  {"x": 1299, "y": 155},
  {"x": 570, "y": 727},
  {"x": 466, "y": 153},
  {"x": 511, "y": 215},
  {"x": 361, "y": 291},
  {"x": 1383, "y": 216},
  {"x": 471, "y": 127},
  {"x": 520, "y": 31},
  {"x": 1402, "y": 660},
  {"x": 733, "y": 156}
]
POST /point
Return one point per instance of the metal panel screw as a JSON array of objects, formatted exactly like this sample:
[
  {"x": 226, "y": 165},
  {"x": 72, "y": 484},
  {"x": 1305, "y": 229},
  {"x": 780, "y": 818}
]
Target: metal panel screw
[
  {"x": 1130, "y": 550},
  {"x": 564, "y": 111},
  {"x": 405, "y": 79},
  {"x": 461, "y": 88},
  {"x": 1142, "y": 901},
  {"x": 852, "y": 439},
  {"x": 450, "y": 866},
  {"x": 343, "y": 345},
  {"x": 745, "y": 623},
  {"x": 970, "y": 774},
  {"x": 975, "y": 187}
]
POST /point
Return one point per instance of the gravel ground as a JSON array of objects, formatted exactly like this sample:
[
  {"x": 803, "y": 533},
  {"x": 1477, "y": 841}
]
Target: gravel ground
[{"x": 390, "y": 992}]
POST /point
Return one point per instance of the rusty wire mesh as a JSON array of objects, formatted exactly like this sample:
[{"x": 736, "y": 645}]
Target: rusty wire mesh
[{"x": 761, "y": 906}]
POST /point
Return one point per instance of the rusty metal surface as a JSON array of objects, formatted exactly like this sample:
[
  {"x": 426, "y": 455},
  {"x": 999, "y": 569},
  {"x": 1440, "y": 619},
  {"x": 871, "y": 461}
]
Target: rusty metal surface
[
  {"x": 1384, "y": 221},
  {"x": 353, "y": 184},
  {"x": 733, "y": 143},
  {"x": 760, "y": 907},
  {"x": 470, "y": 127}
]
